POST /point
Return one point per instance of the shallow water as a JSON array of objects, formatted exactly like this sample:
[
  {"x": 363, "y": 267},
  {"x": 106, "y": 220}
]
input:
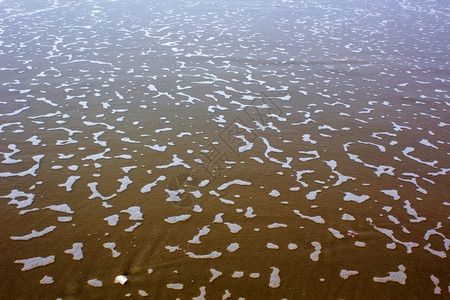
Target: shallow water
[{"x": 224, "y": 149}]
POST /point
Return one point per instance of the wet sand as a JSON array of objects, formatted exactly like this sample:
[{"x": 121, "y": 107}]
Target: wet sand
[{"x": 224, "y": 150}]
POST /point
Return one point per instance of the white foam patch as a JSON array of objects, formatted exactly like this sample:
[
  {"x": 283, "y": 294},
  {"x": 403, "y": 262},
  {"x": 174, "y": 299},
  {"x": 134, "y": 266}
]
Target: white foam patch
[
  {"x": 315, "y": 255},
  {"x": 128, "y": 169},
  {"x": 96, "y": 194},
  {"x": 172, "y": 248},
  {"x": 233, "y": 227},
  {"x": 428, "y": 144},
  {"x": 202, "y": 295},
  {"x": 88, "y": 123},
  {"x": 250, "y": 213},
  {"x": 128, "y": 140},
  {"x": 277, "y": 225},
  {"x": 76, "y": 251},
  {"x": 95, "y": 282},
  {"x": 97, "y": 141},
  {"x": 202, "y": 232},
  {"x": 360, "y": 244},
  {"x": 279, "y": 118},
  {"x": 307, "y": 138},
  {"x": 203, "y": 183},
  {"x": 112, "y": 220},
  {"x": 148, "y": 187},
  {"x": 124, "y": 183},
  {"x": 313, "y": 155},
  {"x": 64, "y": 208},
  {"x": 236, "y": 181},
  {"x": 7, "y": 155},
  {"x": 214, "y": 193},
  {"x": 73, "y": 167},
  {"x": 176, "y": 219},
  {"x": 34, "y": 140},
  {"x": 212, "y": 255},
  {"x": 390, "y": 234},
  {"x": 269, "y": 149},
  {"x": 274, "y": 193},
  {"x": 440, "y": 254},
  {"x": 379, "y": 169},
  {"x": 218, "y": 218},
  {"x": 31, "y": 171},
  {"x": 446, "y": 241},
  {"x": 134, "y": 212},
  {"x": 181, "y": 134},
  {"x": 124, "y": 156},
  {"x": 220, "y": 119},
  {"x": 248, "y": 145},
  {"x": 226, "y": 201},
  {"x": 212, "y": 108},
  {"x": 64, "y": 219},
  {"x": 352, "y": 197},
  {"x": 345, "y": 274},
  {"x": 226, "y": 295},
  {"x": 292, "y": 246},
  {"x": 412, "y": 212},
  {"x": 341, "y": 178},
  {"x": 156, "y": 147},
  {"x": 233, "y": 247},
  {"x": 34, "y": 262},
  {"x": 391, "y": 246},
  {"x": 399, "y": 277},
  {"x": 336, "y": 233},
  {"x": 175, "y": 286},
  {"x": 16, "y": 194},
  {"x": 275, "y": 279},
  {"x": 69, "y": 183},
  {"x": 34, "y": 234},
  {"x": 272, "y": 246},
  {"x": 98, "y": 156},
  {"x": 9, "y": 124},
  {"x": 312, "y": 195},
  {"x": 215, "y": 274},
  {"x": 175, "y": 162},
  {"x": 112, "y": 246},
  {"x": 327, "y": 127},
  {"x": 315, "y": 219},
  {"x": 197, "y": 208},
  {"x": 197, "y": 194},
  {"x": 66, "y": 142},
  {"x": 347, "y": 217},
  {"x": 47, "y": 280},
  {"x": 408, "y": 150},
  {"x": 257, "y": 159},
  {"x": 413, "y": 180},
  {"x": 133, "y": 227},
  {"x": 173, "y": 195},
  {"x": 437, "y": 289},
  {"x": 392, "y": 193}
]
